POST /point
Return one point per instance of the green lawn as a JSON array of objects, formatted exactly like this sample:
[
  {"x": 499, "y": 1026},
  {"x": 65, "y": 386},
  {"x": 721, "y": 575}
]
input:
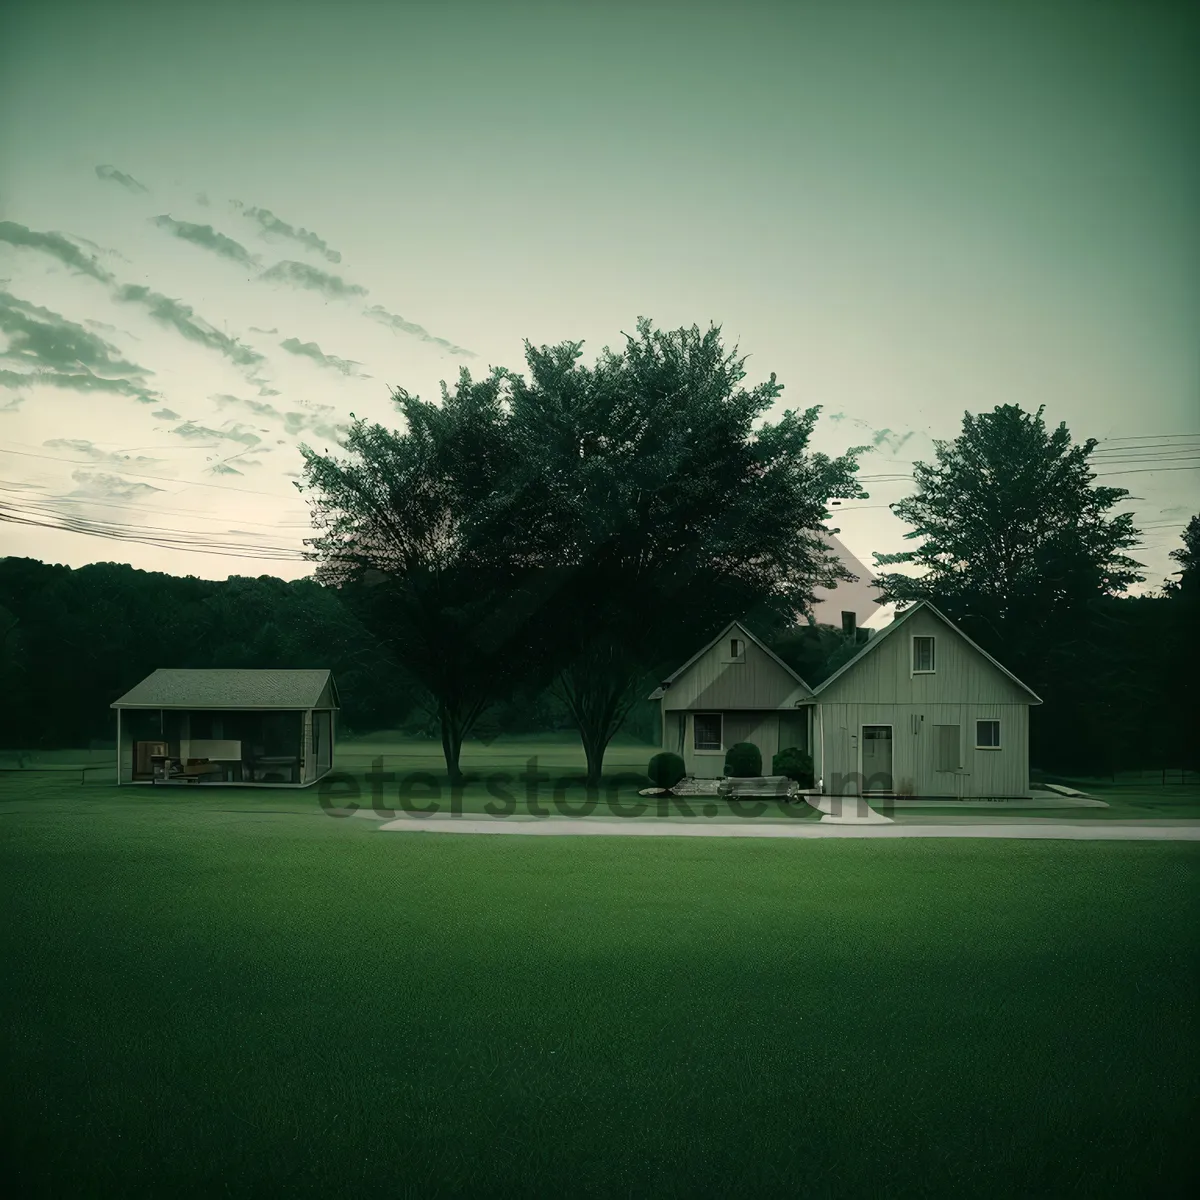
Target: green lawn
[
  {"x": 228, "y": 993},
  {"x": 1143, "y": 802}
]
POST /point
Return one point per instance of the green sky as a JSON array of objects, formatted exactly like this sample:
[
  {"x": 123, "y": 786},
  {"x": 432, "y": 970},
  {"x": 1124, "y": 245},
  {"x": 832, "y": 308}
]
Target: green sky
[{"x": 904, "y": 210}]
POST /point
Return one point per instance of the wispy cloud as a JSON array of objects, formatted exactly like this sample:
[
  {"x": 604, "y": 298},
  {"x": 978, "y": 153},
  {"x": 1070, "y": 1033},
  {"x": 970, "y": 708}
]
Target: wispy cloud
[
  {"x": 47, "y": 340},
  {"x": 13, "y": 381},
  {"x": 96, "y": 246},
  {"x": 263, "y": 385},
  {"x": 202, "y": 199},
  {"x": 91, "y": 450},
  {"x": 96, "y": 485},
  {"x": 270, "y": 223},
  {"x": 239, "y": 433},
  {"x": 110, "y": 328},
  {"x": 317, "y": 419},
  {"x": 302, "y": 275},
  {"x": 84, "y": 382},
  {"x": 54, "y": 244},
  {"x": 166, "y": 414},
  {"x": 208, "y": 238},
  {"x": 128, "y": 182},
  {"x": 312, "y": 350},
  {"x": 399, "y": 325},
  {"x": 890, "y": 439},
  {"x": 260, "y": 408},
  {"x": 256, "y": 329},
  {"x": 181, "y": 317}
]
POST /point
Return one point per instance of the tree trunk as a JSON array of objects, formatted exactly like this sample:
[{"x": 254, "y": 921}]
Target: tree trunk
[
  {"x": 594, "y": 745},
  {"x": 451, "y": 742}
]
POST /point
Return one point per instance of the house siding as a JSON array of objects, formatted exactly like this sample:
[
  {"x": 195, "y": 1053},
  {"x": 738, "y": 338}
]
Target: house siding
[
  {"x": 965, "y": 687},
  {"x": 962, "y": 675},
  {"x": 982, "y": 773},
  {"x": 713, "y": 683},
  {"x": 761, "y": 728}
]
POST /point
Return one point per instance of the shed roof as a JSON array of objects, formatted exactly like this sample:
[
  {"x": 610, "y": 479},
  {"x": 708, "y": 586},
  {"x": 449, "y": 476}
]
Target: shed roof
[
  {"x": 900, "y": 619},
  {"x": 221, "y": 688},
  {"x": 658, "y": 692}
]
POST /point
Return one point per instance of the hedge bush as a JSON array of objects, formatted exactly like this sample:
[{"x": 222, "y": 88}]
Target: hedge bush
[
  {"x": 796, "y": 764},
  {"x": 666, "y": 770},
  {"x": 743, "y": 760}
]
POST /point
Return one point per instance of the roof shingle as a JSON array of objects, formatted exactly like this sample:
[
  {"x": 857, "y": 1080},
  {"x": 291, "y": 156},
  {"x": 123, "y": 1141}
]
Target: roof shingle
[{"x": 220, "y": 688}]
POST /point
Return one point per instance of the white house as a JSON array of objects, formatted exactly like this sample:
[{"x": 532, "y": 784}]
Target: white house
[{"x": 920, "y": 710}]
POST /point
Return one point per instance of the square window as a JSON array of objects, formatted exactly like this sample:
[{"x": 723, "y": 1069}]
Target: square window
[
  {"x": 707, "y": 731},
  {"x": 987, "y": 735},
  {"x": 923, "y": 655}
]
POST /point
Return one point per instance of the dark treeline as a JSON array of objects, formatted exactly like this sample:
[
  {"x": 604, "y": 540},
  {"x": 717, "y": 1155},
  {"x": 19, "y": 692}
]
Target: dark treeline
[
  {"x": 1119, "y": 689},
  {"x": 73, "y": 640}
]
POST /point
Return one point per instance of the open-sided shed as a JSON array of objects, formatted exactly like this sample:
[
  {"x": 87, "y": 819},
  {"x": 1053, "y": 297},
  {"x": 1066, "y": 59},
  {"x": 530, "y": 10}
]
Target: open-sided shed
[{"x": 256, "y": 728}]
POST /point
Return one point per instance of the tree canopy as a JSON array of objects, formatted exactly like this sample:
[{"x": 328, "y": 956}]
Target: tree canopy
[
  {"x": 1010, "y": 522},
  {"x": 587, "y": 526}
]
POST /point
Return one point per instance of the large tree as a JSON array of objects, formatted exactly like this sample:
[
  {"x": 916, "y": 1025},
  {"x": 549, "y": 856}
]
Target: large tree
[
  {"x": 654, "y": 504},
  {"x": 408, "y": 538},
  {"x": 1182, "y": 682},
  {"x": 585, "y": 527},
  {"x": 1188, "y": 558},
  {"x": 1011, "y": 527},
  {"x": 1018, "y": 544}
]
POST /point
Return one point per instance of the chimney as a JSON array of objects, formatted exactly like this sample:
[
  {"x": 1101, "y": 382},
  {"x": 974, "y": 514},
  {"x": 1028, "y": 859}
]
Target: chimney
[{"x": 849, "y": 626}]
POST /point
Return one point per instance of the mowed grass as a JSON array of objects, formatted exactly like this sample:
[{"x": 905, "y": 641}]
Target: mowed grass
[{"x": 229, "y": 992}]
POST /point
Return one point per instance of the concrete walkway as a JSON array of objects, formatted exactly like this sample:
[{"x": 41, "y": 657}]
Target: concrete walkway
[{"x": 552, "y": 827}]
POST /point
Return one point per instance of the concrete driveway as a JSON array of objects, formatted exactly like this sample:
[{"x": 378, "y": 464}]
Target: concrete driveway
[{"x": 556, "y": 827}]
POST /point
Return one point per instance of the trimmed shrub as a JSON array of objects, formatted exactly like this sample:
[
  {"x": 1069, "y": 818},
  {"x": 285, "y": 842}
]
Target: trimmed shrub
[
  {"x": 743, "y": 760},
  {"x": 796, "y": 764},
  {"x": 666, "y": 770}
]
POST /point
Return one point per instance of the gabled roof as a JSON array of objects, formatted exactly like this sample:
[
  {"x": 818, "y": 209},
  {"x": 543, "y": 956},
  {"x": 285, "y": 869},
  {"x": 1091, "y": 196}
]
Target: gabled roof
[
  {"x": 218, "y": 688},
  {"x": 900, "y": 619},
  {"x": 658, "y": 692},
  {"x": 859, "y": 597}
]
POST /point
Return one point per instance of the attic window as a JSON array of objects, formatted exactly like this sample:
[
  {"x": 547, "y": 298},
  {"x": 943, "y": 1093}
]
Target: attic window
[
  {"x": 922, "y": 659},
  {"x": 737, "y": 648}
]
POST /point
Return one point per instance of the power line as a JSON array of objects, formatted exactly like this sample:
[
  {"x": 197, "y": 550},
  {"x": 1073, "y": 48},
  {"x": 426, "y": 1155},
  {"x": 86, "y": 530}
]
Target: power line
[
  {"x": 1144, "y": 471},
  {"x": 110, "y": 524},
  {"x": 85, "y": 462},
  {"x": 231, "y": 549},
  {"x": 174, "y": 512},
  {"x": 1151, "y": 437}
]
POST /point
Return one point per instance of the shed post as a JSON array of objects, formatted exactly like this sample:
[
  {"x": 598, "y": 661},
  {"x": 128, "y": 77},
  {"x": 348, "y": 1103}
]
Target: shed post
[{"x": 118, "y": 747}]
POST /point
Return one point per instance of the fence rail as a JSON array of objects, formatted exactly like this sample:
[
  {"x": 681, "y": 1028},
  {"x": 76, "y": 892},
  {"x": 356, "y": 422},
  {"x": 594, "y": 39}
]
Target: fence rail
[
  {"x": 1142, "y": 775},
  {"x": 82, "y": 768}
]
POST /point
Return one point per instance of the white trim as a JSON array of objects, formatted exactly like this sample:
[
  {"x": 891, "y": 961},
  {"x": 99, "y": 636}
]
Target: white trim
[
  {"x": 821, "y": 766},
  {"x": 999, "y": 734},
  {"x": 862, "y": 784},
  {"x": 912, "y": 660}
]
